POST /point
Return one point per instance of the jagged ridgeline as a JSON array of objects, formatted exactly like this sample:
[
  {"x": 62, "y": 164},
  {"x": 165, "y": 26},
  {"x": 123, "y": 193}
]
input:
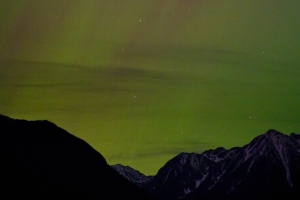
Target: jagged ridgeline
[
  {"x": 266, "y": 168},
  {"x": 42, "y": 161}
]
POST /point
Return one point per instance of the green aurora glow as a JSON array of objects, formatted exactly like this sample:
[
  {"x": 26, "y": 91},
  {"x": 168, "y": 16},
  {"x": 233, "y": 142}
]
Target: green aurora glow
[{"x": 142, "y": 81}]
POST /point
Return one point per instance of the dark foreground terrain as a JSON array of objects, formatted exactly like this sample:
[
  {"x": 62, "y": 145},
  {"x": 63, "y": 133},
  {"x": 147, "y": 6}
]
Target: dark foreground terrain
[
  {"x": 42, "y": 161},
  {"x": 39, "y": 160}
]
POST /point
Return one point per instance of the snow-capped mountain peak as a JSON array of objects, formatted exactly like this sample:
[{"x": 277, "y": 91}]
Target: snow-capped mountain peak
[
  {"x": 272, "y": 142},
  {"x": 269, "y": 165}
]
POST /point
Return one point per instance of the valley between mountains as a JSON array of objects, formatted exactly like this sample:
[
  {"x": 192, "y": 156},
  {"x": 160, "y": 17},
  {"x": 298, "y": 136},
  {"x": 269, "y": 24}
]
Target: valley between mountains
[{"x": 42, "y": 161}]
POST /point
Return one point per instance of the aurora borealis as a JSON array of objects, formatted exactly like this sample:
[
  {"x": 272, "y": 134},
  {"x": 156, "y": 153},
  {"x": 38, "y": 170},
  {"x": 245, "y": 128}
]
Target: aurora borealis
[{"x": 142, "y": 81}]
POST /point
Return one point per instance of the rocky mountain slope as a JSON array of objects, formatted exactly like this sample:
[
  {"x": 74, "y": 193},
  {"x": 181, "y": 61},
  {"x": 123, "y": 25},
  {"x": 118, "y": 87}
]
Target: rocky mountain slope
[
  {"x": 266, "y": 168},
  {"x": 42, "y": 161},
  {"x": 132, "y": 175}
]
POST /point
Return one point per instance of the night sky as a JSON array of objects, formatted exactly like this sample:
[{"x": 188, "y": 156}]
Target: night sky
[{"x": 142, "y": 81}]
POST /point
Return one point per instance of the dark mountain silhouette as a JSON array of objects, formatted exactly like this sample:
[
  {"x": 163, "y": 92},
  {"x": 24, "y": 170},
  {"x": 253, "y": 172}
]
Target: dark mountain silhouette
[
  {"x": 266, "y": 168},
  {"x": 39, "y": 160}
]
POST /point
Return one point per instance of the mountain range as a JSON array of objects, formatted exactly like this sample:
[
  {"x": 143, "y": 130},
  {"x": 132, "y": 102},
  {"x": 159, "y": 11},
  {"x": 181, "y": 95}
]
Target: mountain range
[
  {"x": 266, "y": 168},
  {"x": 39, "y": 160}
]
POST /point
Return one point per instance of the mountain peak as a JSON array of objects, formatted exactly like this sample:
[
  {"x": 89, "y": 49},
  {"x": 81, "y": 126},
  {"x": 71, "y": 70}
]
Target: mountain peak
[
  {"x": 273, "y": 143},
  {"x": 265, "y": 168},
  {"x": 272, "y": 138},
  {"x": 277, "y": 138},
  {"x": 272, "y": 133}
]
